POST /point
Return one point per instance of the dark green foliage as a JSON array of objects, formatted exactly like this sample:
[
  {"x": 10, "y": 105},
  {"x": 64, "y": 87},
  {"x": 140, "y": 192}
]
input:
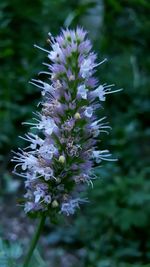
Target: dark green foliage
[
  {"x": 114, "y": 228},
  {"x": 115, "y": 225}
]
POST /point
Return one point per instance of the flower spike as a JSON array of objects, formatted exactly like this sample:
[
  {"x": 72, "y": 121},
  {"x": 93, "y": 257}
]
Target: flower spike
[{"x": 58, "y": 163}]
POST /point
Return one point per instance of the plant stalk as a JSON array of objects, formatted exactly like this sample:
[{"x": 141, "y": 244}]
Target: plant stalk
[{"x": 34, "y": 241}]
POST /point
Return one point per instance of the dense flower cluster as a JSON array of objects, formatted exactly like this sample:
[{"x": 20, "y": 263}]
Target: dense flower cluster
[{"x": 62, "y": 150}]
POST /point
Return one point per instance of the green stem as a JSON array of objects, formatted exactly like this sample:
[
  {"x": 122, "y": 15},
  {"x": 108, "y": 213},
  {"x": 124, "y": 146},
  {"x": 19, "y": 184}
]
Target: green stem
[{"x": 34, "y": 241}]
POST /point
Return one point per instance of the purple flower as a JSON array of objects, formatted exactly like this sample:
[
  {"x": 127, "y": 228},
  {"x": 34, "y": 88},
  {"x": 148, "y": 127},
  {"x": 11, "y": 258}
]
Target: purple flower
[
  {"x": 68, "y": 207},
  {"x": 58, "y": 162}
]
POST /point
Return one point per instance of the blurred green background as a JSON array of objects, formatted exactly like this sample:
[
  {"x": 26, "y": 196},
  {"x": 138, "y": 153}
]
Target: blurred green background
[{"x": 114, "y": 229}]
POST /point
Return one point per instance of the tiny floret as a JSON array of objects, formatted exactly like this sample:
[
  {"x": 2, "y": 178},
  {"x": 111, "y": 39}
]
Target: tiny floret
[
  {"x": 86, "y": 68},
  {"x": 82, "y": 91},
  {"x": 88, "y": 112}
]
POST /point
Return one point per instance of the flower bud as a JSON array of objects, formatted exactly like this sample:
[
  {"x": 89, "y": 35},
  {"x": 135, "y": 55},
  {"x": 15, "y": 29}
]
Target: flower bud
[
  {"x": 58, "y": 180},
  {"x": 62, "y": 159},
  {"x": 55, "y": 203},
  {"x": 77, "y": 116}
]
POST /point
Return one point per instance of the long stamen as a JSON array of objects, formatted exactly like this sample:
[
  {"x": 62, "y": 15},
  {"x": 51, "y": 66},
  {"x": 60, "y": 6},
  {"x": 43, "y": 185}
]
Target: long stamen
[{"x": 36, "y": 46}]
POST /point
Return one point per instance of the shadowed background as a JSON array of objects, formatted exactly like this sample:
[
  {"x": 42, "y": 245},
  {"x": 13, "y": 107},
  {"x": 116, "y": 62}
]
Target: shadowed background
[{"x": 113, "y": 229}]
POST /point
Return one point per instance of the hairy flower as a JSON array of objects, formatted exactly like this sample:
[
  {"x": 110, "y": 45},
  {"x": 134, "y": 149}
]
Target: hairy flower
[{"x": 59, "y": 161}]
